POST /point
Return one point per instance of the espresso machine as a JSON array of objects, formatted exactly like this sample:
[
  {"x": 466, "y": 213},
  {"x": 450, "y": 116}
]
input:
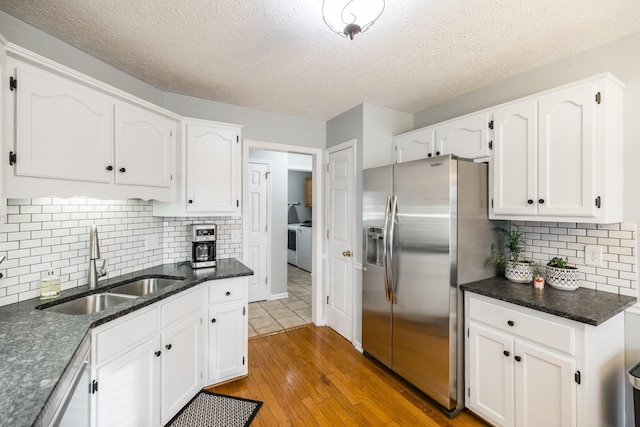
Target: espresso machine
[{"x": 203, "y": 245}]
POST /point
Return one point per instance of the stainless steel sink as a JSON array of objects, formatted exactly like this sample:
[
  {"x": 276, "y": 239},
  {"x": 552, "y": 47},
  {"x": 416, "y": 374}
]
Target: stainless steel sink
[
  {"x": 144, "y": 286},
  {"x": 90, "y": 303}
]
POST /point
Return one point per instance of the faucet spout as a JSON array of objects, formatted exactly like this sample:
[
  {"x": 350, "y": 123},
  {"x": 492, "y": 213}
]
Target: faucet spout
[{"x": 94, "y": 254}]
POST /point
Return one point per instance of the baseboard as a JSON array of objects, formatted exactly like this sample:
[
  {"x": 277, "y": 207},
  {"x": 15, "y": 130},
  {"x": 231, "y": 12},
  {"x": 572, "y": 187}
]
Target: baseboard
[{"x": 278, "y": 296}]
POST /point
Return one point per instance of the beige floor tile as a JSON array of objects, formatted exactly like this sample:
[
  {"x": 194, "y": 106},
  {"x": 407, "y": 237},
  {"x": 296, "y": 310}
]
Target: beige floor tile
[
  {"x": 257, "y": 311},
  {"x": 269, "y": 329},
  {"x": 252, "y": 332},
  {"x": 262, "y": 322},
  {"x": 296, "y": 305},
  {"x": 271, "y": 305},
  {"x": 305, "y": 313},
  {"x": 292, "y": 322},
  {"x": 281, "y": 312}
]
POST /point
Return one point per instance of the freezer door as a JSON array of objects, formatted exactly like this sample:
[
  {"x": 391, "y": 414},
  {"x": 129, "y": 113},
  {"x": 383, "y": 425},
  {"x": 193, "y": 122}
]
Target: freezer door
[
  {"x": 376, "y": 310},
  {"x": 423, "y": 345}
]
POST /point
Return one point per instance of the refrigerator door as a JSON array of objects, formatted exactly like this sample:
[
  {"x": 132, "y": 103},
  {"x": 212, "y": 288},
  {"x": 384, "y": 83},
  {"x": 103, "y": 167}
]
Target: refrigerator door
[
  {"x": 422, "y": 339},
  {"x": 376, "y": 309}
]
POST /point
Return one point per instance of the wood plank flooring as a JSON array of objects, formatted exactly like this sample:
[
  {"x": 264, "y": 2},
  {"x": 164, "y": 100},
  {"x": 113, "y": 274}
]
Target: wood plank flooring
[{"x": 311, "y": 376}]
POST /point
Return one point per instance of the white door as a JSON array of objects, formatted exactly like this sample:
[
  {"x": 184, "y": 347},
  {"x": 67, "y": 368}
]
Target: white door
[
  {"x": 340, "y": 225},
  {"x": 545, "y": 389},
  {"x": 128, "y": 391},
  {"x": 491, "y": 376},
  {"x": 181, "y": 365},
  {"x": 258, "y": 186}
]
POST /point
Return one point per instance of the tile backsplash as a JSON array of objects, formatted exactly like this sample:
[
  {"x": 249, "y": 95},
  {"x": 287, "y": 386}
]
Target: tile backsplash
[
  {"x": 53, "y": 233},
  {"x": 617, "y": 274}
]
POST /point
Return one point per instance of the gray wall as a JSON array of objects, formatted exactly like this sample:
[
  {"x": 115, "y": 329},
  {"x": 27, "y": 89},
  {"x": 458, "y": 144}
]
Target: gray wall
[
  {"x": 622, "y": 60},
  {"x": 278, "y": 216},
  {"x": 296, "y": 191}
]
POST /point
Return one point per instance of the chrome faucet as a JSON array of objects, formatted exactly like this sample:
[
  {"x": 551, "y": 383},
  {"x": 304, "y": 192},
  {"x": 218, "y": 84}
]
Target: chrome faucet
[{"x": 94, "y": 254}]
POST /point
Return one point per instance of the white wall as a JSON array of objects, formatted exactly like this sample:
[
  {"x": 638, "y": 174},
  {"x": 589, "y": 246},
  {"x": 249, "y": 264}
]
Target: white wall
[
  {"x": 379, "y": 126},
  {"x": 278, "y": 216}
]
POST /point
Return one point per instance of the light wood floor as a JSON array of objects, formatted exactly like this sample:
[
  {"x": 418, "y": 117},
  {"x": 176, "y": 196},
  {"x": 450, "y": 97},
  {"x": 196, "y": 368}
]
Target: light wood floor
[{"x": 312, "y": 376}]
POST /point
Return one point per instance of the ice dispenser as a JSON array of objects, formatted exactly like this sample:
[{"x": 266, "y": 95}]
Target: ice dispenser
[{"x": 375, "y": 245}]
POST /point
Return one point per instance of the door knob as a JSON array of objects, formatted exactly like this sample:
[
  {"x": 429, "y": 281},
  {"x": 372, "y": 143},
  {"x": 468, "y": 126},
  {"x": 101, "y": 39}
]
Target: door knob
[{"x": 346, "y": 253}]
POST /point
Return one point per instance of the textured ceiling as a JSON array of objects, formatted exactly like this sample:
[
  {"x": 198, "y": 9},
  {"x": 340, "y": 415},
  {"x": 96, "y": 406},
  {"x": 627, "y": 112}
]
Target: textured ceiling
[{"x": 279, "y": 55}]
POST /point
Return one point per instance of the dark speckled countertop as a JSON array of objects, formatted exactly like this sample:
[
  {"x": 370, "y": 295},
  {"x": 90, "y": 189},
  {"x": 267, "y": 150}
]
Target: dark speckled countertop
[
  {"x": 36, "y": 346},
  {"x": 582, "y": 305}
]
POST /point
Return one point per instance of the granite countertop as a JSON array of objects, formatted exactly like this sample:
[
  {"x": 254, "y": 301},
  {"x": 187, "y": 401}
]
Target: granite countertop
[
  {"x": 582, "y": 305},
  {"x": 36, "y": 346}
]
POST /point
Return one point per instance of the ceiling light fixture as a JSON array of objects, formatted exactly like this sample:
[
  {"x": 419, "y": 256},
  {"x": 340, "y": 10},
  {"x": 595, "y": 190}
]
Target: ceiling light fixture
[{"x": 350, "y": 17}]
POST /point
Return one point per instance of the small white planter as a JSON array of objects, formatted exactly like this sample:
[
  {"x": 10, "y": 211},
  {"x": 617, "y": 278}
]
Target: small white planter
[
  {"x": 563, "y": 278},
  {"x": 519, "y": 272}
]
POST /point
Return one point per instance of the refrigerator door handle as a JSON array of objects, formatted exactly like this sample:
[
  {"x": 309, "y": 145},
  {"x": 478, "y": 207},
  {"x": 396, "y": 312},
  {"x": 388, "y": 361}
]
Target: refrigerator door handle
[
  {"x": 392, "y": 222},
  {"x": 385, "y": 240}
]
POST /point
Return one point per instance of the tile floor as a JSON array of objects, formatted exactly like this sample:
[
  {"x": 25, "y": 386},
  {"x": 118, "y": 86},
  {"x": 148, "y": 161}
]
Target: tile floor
[{"x": 266, "y": 317}]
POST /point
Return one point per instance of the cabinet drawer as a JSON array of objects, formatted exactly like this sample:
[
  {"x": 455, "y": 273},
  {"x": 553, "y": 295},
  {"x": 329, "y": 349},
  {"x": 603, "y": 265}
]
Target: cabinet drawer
[
  {"x": 128, "y": 332},
  {"x": 226, "y": 291},
  {"x": 181, "y": 307},
  {"x": 533, "y": 328}
]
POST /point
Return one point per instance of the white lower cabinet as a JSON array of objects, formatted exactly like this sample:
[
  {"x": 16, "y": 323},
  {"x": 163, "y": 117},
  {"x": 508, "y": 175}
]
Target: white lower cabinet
[
  {"x": 527, "y": 368},
  {"x": 227, "y": 330},
  {"x": 148, "y": 364}
]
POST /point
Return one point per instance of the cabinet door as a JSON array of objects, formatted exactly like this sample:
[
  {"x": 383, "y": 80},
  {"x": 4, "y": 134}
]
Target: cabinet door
[
  {"x": 213, "y": 166},
  {"x": 513, "y": 166},
  {"x": 181, "y": 365},
  {"x": 467, "y": 138},
  {"x": 128, "y": 388},
  {"x": 545, "y": 389},
  {"x": 144, "y": 147},
  {"x": 417, "y": 145},
  {"x": 227, "y": 352},
  {"x": 567, "y": 152},
  {"x": 63, "y": 129},
  {"x": 491, "y": 376}
]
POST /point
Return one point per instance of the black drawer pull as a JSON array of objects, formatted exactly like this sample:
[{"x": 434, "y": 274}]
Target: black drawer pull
[
  {"x": 109, "y": 168},
  {"x": 506, "y": 353},
  {"x": 510, "y": 323},
  {"x": 530, "y": 201},
  {"x": 123, "y": 170},
  {"x": 213, "y": 320},
  {"x": 228, "y": 293},
  {"x": 158, "y": 353},
  {"x": 541, "y": 201},
  {"x": 168, "y": 346},
  {"x": 518, "y": 358}
]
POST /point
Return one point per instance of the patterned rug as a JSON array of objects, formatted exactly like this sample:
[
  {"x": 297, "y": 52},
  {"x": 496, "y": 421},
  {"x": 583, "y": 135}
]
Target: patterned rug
[{"x": 208, "y": 409}]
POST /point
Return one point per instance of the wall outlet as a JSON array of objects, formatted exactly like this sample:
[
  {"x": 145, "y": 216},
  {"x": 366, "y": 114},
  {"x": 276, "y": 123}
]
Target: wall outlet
[
  {"x": 593, "y": 255},
  {"x": 151, "y": 242}
]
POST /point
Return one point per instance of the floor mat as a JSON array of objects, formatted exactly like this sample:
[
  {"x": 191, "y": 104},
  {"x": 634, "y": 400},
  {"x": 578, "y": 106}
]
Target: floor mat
[{"x": 209, "y": 409}]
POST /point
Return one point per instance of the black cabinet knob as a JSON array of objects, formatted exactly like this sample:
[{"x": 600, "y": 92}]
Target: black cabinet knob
[
  {"x": 541, "y": 201},
  {"x": 109, "y": 168},
  {"x": 510, "y": 323},
  {"x": 228, "y": 293},
  {"x": 168, "y": 346},
  {"x": 506, "y": 353},
  {"x": 213, "y": 320},
  {"x": 518, "y": 358},
  {"x": 429, "y": 155},
  {"x": 530, "y": 201},
  {"x": 158, "y": 353},
  {"x": 123, "y": 170},
  {"x": 190, "y": 201},
  {"x": 437, "y": 153}
]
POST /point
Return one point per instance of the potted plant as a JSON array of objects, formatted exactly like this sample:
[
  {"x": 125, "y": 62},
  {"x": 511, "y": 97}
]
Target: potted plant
[
  {"x": 561, "y": 275},
  {"x": 515, "y": 269}
]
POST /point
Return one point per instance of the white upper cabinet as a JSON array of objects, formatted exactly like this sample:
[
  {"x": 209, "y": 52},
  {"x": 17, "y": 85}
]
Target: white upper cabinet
[
  {"x": 466, "y": 137},
  {"x": 144, "y": 147},
  {"x": 63, "y": 130},
  {"x": 418, "y": 144},
  {"x": 70, "y": 135},
  {"x": 210, "y": 176},
  {"x": 557, "y": 156}
]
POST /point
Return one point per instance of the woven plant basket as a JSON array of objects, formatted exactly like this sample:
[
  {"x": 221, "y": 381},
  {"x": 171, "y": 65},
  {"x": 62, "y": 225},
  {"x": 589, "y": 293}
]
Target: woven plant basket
[
  {"x": 563, "y": 278},
  {"x": 519, "y": 272}
]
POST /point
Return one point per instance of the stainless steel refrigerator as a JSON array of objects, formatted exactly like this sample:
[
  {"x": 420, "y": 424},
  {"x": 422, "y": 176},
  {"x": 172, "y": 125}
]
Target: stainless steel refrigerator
[{"x": 426, "y": 231}]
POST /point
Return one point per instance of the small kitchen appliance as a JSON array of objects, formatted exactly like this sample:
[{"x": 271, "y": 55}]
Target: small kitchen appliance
[{"x": 203, "y": 246}]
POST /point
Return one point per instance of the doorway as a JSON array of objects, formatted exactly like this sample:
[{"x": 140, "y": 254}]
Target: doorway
[{"x": 278, "y": 270}]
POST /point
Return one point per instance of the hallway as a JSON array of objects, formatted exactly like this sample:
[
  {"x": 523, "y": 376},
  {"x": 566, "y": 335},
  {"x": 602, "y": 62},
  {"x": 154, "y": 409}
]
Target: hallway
[{"x": 266, "y": 317}]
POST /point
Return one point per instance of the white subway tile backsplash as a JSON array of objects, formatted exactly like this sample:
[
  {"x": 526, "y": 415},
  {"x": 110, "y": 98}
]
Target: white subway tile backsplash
[
  {"x": 53, "y": 233},
  {"x": 618, "y": 272}
]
